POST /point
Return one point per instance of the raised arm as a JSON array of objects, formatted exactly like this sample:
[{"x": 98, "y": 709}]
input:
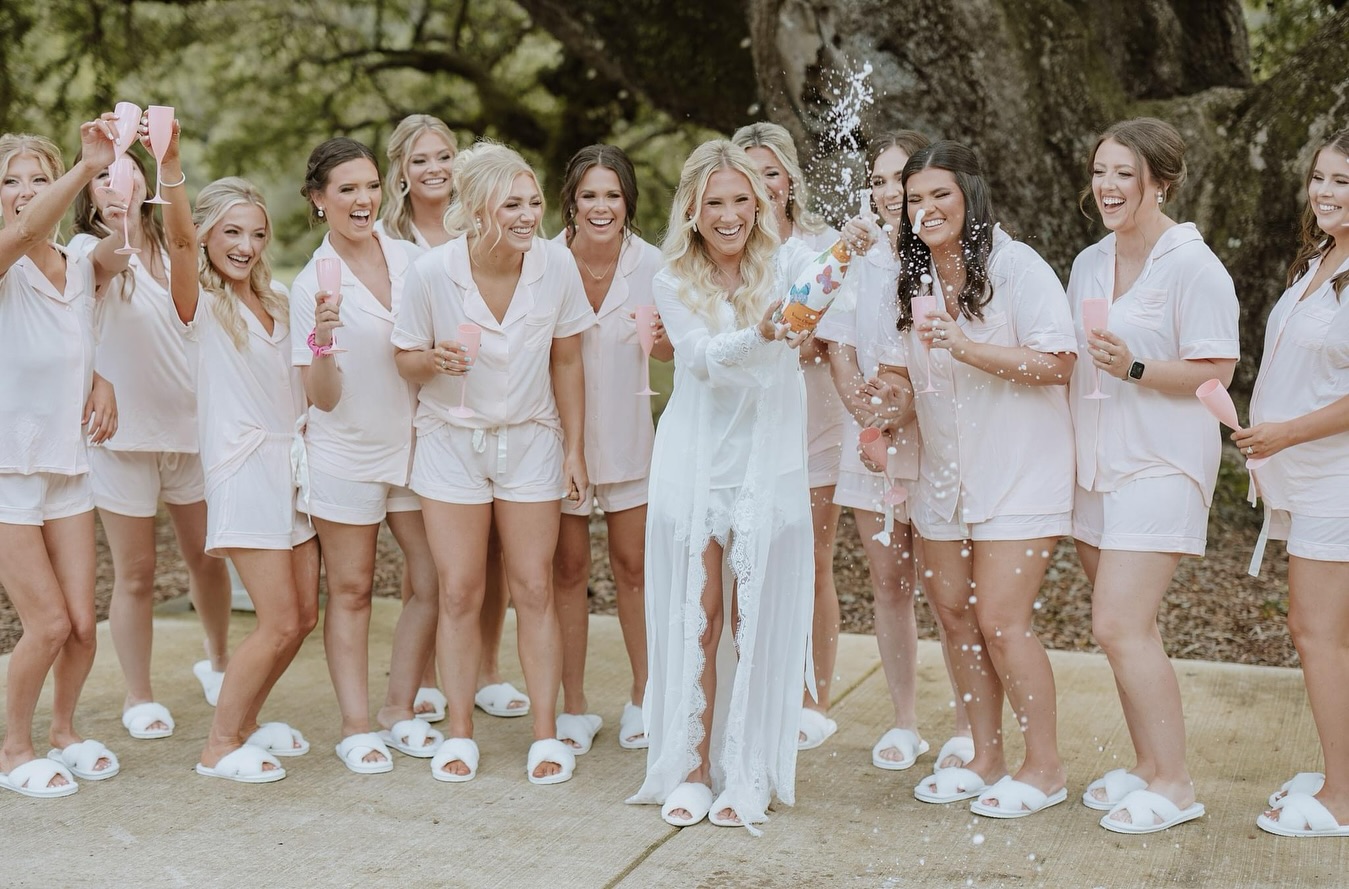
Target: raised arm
[
  {"x": 40, "y": 216},
  {"x": 181, "y": 234}
]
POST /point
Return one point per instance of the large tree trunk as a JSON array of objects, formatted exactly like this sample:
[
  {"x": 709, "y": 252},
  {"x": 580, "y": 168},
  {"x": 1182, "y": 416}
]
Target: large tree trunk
[{"x": 1027, "y": 83}]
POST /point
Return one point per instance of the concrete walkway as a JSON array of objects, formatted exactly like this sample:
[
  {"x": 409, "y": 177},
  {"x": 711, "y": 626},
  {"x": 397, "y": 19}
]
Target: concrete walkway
[{"x": 159, "y": 824}]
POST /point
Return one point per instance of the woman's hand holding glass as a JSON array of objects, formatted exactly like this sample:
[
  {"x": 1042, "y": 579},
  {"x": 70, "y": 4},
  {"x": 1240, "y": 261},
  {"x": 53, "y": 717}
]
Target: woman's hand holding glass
[{"x": 450, "y": 357}]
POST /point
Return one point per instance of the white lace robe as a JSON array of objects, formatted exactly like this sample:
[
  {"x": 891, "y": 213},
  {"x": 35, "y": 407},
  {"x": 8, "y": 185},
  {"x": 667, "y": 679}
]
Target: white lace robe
[{"x": 729, "y": 464}]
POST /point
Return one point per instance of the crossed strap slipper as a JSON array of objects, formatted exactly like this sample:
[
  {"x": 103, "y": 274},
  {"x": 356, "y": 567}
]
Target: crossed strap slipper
[
  {"x": 1309, "y": 783},
  {"x": 463, "y": 750},
  {"x": 1116, "y": 784},
  {"x": 1015, "y": 799},
  {"x": 632, "y": 729},
  {"x": 210, "y": 680},
  {"x": 692, "y": 797},
  {"x": 550, "y": 750},
  {"x": 950, "y": 786},
  {"x": 906, "y": 741},
  {"x": 355, "y": 748},
  {"x": 82, "y": 757},
  {"x": 1149, "y": 812},
  {"x": 815, "y": 729},
  {"x": 245, "y": 765},
  {"x": 433, "y": 696},
  {"x": 34, "y": 778},
  {"x": 496, "y": 700},
  {"x": 413, "y": 737},
  {"x": 1302, "y": 815},
  {"x": 959, "y": 746},
  {"x": 279, "y": 739},
  {"x": 138, "y": 719},
  {"x": 579, "y": 729}
]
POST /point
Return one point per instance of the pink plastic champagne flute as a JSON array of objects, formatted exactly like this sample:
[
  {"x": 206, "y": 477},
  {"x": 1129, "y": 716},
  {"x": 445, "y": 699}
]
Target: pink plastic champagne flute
[
  {"x": 161, "y": 133},
  {"x": 1095, "y": 316},
  {"x": 646, "y": 316},
  {"x": 121, "y": 185},
  {"x": 470, "y": 337},
  {"x": 329, "y": 269},
  {"x": 1219, "y": 403},
  {"x": 128, "y": 116},
  {"x": 920, "y": 307}
]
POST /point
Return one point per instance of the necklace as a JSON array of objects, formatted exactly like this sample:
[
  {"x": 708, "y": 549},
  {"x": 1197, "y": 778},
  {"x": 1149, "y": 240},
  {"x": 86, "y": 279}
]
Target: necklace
[{"x": 602, "y": 275}]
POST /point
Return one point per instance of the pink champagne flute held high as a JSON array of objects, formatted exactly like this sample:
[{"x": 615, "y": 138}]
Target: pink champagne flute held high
[
  {"x": 1095, "y": 316},
  {"x": 128, "y": 116},
  {"x": 329, "y": 272},
  {"x": 920, "y": 307},
  {"x": 1219, "y": 403},
  {"x": 470, "y": 337},
  {"x": 646, "y": 316},
  {"x": 161, "y": 134},
  {"x": 121, "y": 185}
]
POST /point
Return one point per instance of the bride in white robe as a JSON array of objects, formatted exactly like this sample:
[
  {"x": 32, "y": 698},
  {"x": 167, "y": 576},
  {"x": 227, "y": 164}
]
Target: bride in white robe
[{"x": 729, "y": 504}]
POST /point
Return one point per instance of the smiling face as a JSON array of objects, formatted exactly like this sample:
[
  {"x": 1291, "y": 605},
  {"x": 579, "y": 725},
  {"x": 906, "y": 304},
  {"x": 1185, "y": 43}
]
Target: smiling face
[
  {"x": 23, "y": 179},
  {"x": 600, "y": 209},
  {"x": 350, "y": 198},
  {"x": 235, "y": 243},
  {"x": 513, "y": 224},
  {"x": 936, "y": 192},
  {"x": 1125, "y": 192},
  {"x": 1328, "y": 193},
  {"x": 429, "y": 164},
  {"x": 726, "y": 213},
  {"x": 887, "y": 185},
  {"x": 776, "y": 181}
]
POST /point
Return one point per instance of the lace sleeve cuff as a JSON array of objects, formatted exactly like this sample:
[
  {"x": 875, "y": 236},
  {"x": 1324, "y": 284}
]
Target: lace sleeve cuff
[{"x": 735, "y": 348}]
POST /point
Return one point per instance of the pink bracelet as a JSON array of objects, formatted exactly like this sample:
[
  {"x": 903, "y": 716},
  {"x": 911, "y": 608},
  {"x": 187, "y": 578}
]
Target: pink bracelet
[{"x": 319, "y": 351}]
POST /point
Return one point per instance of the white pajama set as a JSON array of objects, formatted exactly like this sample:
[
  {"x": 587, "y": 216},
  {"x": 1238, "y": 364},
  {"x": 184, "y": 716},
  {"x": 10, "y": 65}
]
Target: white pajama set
[
  {"x": 997, "y": 456},
  {"x": 619, "y": 432},
  {"x": 1305, "y": 368},
  {"x": 360, "y": 452},
  {"x": 142, "y": 353},
  {"x": 511, "y": 447},
  {"x": 250, "y": 407},
  {"x": 1147, "y": 461},
  {"x": 870, "y": 328},
  {"x": 47, "y": 360}
]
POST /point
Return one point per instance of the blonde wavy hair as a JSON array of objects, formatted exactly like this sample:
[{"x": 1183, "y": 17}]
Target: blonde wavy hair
[
  {"x": 777, "y": 140},
  {"x": 685, "y": 250},
  {"x": 397, "y": 209},
  {"x": 482, "y": 180},
  {"x": 213, "y": 202},
  {"x": 13, "y": 145}
]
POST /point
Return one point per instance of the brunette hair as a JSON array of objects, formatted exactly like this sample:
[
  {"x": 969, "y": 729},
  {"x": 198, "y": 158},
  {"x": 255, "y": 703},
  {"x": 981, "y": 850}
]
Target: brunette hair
[
  {"x": 323, "y": 159},
  {"x": 976, "y": 233},
  {"x": 610, "y": 157},
  {"x": 1155, "y": 143},
  {"x": 1312, "y": 241},
  {"x": 89, "y": 221},
  {"x": 908, "y": 141}
]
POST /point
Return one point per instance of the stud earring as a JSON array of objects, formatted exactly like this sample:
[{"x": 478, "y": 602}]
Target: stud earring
[
  {"x": 1161, "y": 198},
  {"x": 320, "y": 212},
  {"x": 477, "y": 223}
]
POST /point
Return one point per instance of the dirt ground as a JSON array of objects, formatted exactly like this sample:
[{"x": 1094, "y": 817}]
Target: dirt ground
[{"x": 1213, "y": 611}]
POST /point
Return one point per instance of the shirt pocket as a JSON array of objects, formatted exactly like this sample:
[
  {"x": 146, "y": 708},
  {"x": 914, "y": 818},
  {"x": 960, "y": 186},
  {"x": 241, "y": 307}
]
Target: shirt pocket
[
  {"x": 995, "y": 328},
  {"x": 539, "y": 330},
  {"x": 1312, "y": 329},
  {"x": 1147, "y": 308}
]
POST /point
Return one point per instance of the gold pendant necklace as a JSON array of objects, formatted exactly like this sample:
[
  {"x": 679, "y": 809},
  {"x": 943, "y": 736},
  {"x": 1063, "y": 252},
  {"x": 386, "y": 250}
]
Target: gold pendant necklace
[{"x": 601, "y": 276}]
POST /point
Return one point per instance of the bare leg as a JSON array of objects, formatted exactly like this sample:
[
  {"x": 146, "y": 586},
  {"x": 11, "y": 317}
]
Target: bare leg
[
  {"x": 414, "y": 636},
  {"x": 70, "y": 542},
  {"x": 457, "y": 534},
  {"x": 1318, "y": 618},
  {"x": 713, "y": 610},
  {"x": 961, "y": 728},
  {"x": 824, "y": 520},
  {"x": 977, "y": 684},
  {"x": 1007, "y": 576},
  {"x": 131, "y": 541},
  {"x": 627, "y": 558},
  {"x": 208, "y": 580},
  {"x": 571, "y": 574},
  {"x": 493, "y": 617},
  {"x": 529, "y": 538},
  {"x": 31, "y": 584},
  {"x": 892, "y": 579}
]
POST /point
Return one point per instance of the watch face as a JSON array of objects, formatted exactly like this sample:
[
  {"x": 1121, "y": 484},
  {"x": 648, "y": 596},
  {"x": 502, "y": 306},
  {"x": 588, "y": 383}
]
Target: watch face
[{"x": 1136, "y": 370}]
